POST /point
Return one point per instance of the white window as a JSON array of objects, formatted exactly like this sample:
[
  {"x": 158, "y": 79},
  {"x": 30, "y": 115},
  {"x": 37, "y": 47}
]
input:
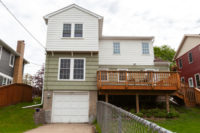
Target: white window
[
  {"x": 116, "y": 48},
  {"x": 66, "y": 30},
  {"x": 122, "y": 74},
  {"x": 190, "y": 58},
  {"x": 1, "y": 50},
  {"x": 197, "y": 80},
  {"x": 12, "y": 60},
  {"x": 182, "y": 80},
  {"x": 78, "y": 30},
  {"x": 71, "y": 69},
  {"x": 190, "y": 82},
  {"x": 180, "y": 63},
  {"x": 145, "y": 48},
  {"x": 4, "y": 81}
]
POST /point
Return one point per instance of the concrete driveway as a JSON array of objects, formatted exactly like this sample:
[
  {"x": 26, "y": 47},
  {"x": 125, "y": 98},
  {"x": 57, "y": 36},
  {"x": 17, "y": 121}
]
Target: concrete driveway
[{"x": 63, "y": 128}]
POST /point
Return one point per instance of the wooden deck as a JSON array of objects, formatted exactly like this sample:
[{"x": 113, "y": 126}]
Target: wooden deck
[{"x": 138, "y": 80}]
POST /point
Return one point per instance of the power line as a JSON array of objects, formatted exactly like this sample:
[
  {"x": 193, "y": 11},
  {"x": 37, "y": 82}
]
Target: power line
[{"x": 23, "y": 26}]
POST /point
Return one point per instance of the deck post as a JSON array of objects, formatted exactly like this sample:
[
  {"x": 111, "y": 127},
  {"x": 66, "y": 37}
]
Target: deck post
[
  {"x": 137, "y": 104},
  {"x": 167, "y": 102},
  {"x": 106, "y": 96}
]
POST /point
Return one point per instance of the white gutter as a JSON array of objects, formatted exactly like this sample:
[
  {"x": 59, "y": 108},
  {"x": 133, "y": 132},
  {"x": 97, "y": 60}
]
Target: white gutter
[{"x": 42, "y": 100}]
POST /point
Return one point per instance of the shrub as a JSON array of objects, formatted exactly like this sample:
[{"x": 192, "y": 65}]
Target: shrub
[
  {"x": 140, "y": 114},
  {"x": 37, "y": 100},
  {"x": 132, "y": 111}
]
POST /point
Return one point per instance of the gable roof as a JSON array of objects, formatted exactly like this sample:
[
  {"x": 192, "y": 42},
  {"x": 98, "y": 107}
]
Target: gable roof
[
  {"x": 46, "y": 17},
  {"x": 182, "y": 43},
  {"x": 6, "y": 46}
]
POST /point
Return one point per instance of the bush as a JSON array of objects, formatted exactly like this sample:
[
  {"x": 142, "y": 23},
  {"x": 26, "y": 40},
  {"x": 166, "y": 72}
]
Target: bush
[
  {"x": 132, "y": 111},
  {"x": 37, "y": 100},
  {"x": 140, "y": 114}
]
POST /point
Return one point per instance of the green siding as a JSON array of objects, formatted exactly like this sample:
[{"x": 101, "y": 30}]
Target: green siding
[
  {"x": 135, "y": 67},
  {"x": 51, "y": 81}
]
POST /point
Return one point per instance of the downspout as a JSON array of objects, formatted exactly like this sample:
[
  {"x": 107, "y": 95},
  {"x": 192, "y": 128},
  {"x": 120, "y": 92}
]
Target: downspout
[{"x": 42, "y": 100}]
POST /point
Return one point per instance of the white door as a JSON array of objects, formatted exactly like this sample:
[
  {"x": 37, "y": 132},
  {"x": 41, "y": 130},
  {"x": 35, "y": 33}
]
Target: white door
[{"x": 70, "y": 107}]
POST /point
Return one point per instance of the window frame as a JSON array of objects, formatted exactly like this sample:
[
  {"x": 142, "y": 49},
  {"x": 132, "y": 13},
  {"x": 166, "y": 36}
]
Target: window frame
[
  {"x": 104, "y": 69},
  {"x": 70, "y": 31},
  {"x": 182, "y": 79},
  {"x": 145, "y": 49},
  {"x": 122, "y": 69},
  {"x": 190, "y": 62},
  {"x": 12, "y": 65},
  {"x": 71, "y": 77},
  {"x": 75, "y": 30},
  {"x": 189, "y": 82},
  {"x": 1, "y": 51},
  {"x": 196, "y": 80},
  {"x": 114, "y": 43},
  {"x": 181, "y": 63}
]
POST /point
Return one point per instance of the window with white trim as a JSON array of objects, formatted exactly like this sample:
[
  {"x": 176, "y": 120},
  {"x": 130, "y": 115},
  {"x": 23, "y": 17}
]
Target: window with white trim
[
  {"x": 180, "y": 63},
  {"x": 4, "y": 81},
  {"x": 78, "y": 30},
  {"x": 12, "y": 60},
  {"x": 71, "y": 69},
  {"x": 1, "y": 50},
  {"x": 182, "y": 80},
  {"x": 145, "y": 48},
  {"x": 190, "y": 58},
  {"x": 190, "y": 82},
  {"x": 116, "y": 48},
  {"x": 197, "y": 80},
  {"x": 66, "y": 30}
]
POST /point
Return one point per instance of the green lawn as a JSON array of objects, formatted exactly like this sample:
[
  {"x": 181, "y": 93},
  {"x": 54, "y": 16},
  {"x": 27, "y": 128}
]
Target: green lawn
[
  {"x": 14, "y": 119},
  {"x": 188, "y": 121}
]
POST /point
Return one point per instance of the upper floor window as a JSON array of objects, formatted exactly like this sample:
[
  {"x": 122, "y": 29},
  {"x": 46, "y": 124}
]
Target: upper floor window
[
  {"x": 67, "y": 30},
  {"x": 116, "y": 48},
  {"x": 72, "y": 69},
  {"x": 180, "y": 63},
  {"x": 12, "y": 60},
  {"x": 190, "y": 58},
  {"x": 78, "y": 32},
  {"x": 145, "y": 48},
  {"x": 1, "y": 50}
]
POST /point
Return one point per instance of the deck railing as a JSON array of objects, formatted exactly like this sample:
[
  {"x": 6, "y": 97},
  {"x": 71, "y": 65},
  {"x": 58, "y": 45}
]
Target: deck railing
[{"x": 141, "y": 80}]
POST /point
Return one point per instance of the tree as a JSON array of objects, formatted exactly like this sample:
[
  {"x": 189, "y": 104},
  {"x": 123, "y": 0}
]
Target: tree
[
  {"x": 167, "y": 53},
  {"x": 164, "y": 52},
  {"x": 38, "y": 81}
]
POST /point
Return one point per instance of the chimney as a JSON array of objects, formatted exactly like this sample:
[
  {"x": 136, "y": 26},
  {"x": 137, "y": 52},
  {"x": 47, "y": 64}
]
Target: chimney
[{"x": 18, "y": 68}]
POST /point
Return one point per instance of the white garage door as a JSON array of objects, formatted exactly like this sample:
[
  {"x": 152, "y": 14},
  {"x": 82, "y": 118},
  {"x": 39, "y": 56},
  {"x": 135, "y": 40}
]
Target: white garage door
[{"x": 70, "y": 107}]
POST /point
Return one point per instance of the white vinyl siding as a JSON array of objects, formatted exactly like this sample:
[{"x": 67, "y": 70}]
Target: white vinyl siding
[
  {"x": 145, "y": 48},
  {"x": 130, "y": 53},
  {"x": 90, "y": 32},
  {"x": 71, "y": 69}
]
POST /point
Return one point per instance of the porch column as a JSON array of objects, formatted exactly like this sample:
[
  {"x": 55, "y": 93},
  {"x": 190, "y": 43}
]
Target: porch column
[
  {"x": 137, "y": 104},
  {"x": 167, "y": 102},
  {"x": 106, "y": 96}
]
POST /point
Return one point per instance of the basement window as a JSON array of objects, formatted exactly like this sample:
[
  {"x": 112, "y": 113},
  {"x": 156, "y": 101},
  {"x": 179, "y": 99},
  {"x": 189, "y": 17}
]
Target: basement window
[{"x": 12, "y": 60}]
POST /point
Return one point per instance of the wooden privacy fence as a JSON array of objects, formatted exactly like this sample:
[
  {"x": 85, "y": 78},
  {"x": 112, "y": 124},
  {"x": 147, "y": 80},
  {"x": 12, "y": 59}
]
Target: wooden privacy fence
[{"x": 15, "y": 93}]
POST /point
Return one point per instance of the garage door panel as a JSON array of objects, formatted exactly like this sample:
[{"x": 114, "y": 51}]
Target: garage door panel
[
  {"x": 70, "y": 107},
  {"x": 71, "y": 119},
  {"x": 69, "y": 112},
  {"x": 78, "y": 105}
]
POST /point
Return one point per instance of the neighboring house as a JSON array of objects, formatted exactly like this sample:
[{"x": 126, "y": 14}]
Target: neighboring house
[
  {"x": 11, "y": 63},
  {"x": 76, "y": 50},
  {"x": 188, "y": 60}
]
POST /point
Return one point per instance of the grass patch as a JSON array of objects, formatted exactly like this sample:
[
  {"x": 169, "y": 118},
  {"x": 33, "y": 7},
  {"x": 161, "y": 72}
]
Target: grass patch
[
  {"x": 98, "y": 129},
  {"x": 14, "y": 119},
  {"x": 187, "y": 122}
]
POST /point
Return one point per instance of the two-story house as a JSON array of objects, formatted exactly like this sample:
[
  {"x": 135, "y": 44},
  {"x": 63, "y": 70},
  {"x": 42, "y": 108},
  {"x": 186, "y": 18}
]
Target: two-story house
[
  {"x": 188, "y": 60},
  {"x": 80, "y": 59},
  {"x": 11, "y": 63}
]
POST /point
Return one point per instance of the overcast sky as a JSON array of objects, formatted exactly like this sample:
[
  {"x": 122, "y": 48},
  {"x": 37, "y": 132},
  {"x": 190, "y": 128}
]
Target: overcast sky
[{"x": 167, "y": 20}]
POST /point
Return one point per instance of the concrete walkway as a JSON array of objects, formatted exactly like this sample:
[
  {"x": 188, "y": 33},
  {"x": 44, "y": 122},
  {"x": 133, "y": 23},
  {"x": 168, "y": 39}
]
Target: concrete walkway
[{"x": 63, "y": 128}]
